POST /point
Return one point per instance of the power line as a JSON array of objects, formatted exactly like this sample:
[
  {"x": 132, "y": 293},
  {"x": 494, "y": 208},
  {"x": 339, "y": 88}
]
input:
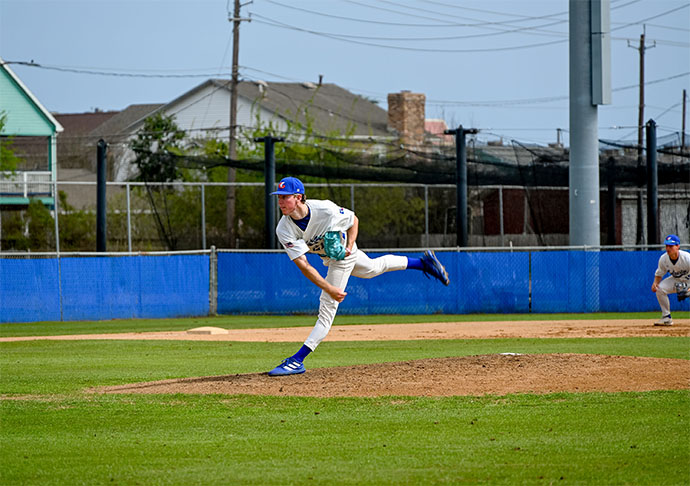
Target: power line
[
  {"x": 383, "y": 9},
  {"x": 547, "y": 99},
  {"x": 275, "y": 23},
  {"x": 444, "y": 23},
  {"x": 367, "y": 21},
  {"x": 100, "y": 72},
  {"x": 669, "y": 27},
  {"x": 353, "y": 38},
  {"x": 638, "y": 22},
  {"x": 421, "y": 39},
  {"x": 494, "y": 25},
  {"x": 505, "y": 14}
]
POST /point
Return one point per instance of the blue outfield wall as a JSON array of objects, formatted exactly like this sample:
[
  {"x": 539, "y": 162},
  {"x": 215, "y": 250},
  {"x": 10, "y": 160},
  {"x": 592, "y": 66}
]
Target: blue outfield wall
[
  {"x": 29, "y": 290},
  {"x": 94, "y": 288},
  {"x": 587, "y": 281},
  {"x": 481, "y": 282}
]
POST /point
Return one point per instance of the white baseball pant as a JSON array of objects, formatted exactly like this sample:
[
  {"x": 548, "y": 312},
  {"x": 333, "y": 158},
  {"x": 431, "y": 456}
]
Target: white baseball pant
[
  {"x": 665, "y": 287},
  {"x": 358, "y": 264}
]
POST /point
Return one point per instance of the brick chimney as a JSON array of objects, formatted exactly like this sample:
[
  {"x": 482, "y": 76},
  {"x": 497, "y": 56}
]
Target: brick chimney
[{"x": 406, "y": 116}]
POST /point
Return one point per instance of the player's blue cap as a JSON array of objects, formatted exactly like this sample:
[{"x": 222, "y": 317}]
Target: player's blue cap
[
  {"x": 290, "y": 185},
  {"x": 672, "y": 240}
]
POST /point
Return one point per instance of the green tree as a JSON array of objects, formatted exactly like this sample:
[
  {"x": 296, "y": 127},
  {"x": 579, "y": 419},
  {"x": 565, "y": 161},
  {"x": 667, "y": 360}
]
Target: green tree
[
  {"x": 41, "y": 226},
  {"x": 8, "y": 160},
  {"x": 32, "y": 229},
  {"x": 77, "y": 227},
  {"x": 387, "y": 213},
  {"x": 156, "y": 147},
  {"x": 156, "y": 141}
]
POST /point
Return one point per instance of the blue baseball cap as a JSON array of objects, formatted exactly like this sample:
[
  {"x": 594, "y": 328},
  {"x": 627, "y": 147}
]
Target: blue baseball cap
[
  {"x": 290, "y": 185},
  {"x": 672, "y": 240}
]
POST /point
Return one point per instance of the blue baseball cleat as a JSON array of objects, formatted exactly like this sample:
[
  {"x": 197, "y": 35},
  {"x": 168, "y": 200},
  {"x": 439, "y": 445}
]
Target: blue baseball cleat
[
  {"x": 289, "y": 366},
  {"x": 433, "y": 267}
]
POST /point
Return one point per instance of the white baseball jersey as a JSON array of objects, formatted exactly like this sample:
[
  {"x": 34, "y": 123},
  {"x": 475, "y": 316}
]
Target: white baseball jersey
[
  {"x": 679, "y": 270},
  {"x": 325, "y": 216}
]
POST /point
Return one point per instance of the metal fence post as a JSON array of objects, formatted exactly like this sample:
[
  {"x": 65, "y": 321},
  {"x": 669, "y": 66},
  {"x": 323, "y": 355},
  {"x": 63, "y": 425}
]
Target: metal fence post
[
  {"x": 500, "y": 213},
  {"x": 652, "y": 185},
  {"x": 57, "y": 244},
  {"x": 203, "y": 218},
  {"x": 461, "y": 181},
  {"x": 55, "y": 211},
  {"x": 426, "y": 214},
  {"x": 101, "y": 201},
  {"x": 129, "y": 220},
  {"x": 213, "y": 282},
  {"x": 269, "y": 186}
]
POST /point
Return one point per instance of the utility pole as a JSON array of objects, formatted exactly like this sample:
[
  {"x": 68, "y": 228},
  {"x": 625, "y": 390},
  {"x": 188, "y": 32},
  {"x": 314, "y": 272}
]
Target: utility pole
[
  {"x": 640, "y": 114},
  {"x": 640, "y": 131},
  {"x": 682, "y": 128},
  {"x": 232, "y": 142},
  {"x": 640, "y": 110}
]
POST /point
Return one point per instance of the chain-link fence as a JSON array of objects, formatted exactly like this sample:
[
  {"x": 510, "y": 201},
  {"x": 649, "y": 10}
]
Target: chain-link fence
[{"x": 193, "y": 215}]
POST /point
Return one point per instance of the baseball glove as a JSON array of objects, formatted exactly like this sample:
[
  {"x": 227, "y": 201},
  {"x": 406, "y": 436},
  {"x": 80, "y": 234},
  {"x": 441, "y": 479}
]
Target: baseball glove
[
  {"x": 333, "y": 246},
  {"x": 682, "y": 291}
]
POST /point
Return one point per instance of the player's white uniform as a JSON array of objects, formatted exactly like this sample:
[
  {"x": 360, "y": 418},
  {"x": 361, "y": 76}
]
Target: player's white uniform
[
  {"x": 327, "y": 216},
  {"x": 680, "y": 272}
]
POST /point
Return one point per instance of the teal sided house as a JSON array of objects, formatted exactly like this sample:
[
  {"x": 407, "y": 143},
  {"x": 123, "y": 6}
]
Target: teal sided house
[{"x": 27, "y": 122}]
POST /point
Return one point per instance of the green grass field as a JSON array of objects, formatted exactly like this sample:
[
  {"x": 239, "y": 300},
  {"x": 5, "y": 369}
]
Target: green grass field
[{"x": 52, "y": 431}]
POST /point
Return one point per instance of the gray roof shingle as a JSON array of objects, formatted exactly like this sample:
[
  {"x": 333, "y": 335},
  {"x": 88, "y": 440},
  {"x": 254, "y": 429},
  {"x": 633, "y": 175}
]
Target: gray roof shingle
[
  {"x": 116, "y": 124},
  {"x": 328, "y": 107}
]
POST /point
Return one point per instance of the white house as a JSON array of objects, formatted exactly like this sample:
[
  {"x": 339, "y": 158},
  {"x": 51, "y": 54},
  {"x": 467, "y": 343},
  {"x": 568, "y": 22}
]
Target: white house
[{"x": 204, "y": 111}]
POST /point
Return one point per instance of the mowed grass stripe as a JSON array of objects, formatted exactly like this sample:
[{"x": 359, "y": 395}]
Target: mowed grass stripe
[{"x": 622, "y": 438}]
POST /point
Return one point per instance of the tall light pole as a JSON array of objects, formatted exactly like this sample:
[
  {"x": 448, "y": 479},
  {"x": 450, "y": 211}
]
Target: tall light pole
[{"x": 590, "y": 85}]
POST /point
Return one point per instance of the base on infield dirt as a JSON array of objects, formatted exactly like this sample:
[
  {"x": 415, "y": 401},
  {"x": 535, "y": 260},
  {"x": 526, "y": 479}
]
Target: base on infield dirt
[{"x": 207, "y": 330}]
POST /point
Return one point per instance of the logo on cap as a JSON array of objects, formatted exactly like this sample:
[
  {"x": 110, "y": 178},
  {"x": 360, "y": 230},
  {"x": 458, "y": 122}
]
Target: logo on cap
[
  {"x": 672, "y": 240},
  {"x": 289, "y": 185}
]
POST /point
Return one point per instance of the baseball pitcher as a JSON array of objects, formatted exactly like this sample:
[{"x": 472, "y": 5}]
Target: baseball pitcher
[{"x": 330, "y": 231}]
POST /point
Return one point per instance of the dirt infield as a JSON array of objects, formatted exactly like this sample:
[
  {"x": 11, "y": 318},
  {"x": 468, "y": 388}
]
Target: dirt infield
[
  {"x": 434, "y": 330},
  {"x": 497, "y": 374}
]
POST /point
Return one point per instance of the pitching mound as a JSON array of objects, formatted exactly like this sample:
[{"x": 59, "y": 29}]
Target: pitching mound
[{"x": 473, "y": 375}]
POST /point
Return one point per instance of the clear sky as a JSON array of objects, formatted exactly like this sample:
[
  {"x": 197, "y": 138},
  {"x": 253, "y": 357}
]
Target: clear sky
[{"x": 500, "y": 66}]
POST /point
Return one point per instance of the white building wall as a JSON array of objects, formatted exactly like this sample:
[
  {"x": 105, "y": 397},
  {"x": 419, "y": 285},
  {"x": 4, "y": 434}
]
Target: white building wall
[
  {"x": 674, "y": 217},
  {"x": 205, "y": 113},
  {"x": 210, "y": 109}
]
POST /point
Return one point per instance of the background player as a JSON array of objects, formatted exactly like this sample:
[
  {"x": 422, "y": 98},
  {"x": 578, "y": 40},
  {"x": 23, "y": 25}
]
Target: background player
[
  {"x": 676, "y": 262},
  {"x": 324, "y": 228}
]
